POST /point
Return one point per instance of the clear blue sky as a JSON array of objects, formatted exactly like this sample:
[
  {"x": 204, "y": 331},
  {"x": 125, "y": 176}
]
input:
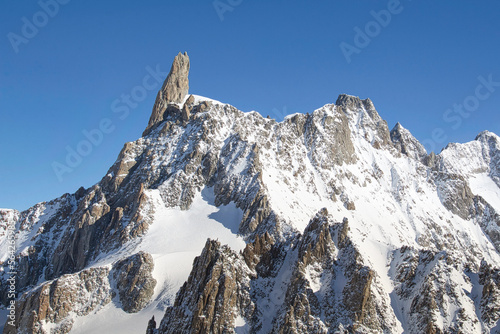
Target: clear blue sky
[{"x": 271, "y": 56}]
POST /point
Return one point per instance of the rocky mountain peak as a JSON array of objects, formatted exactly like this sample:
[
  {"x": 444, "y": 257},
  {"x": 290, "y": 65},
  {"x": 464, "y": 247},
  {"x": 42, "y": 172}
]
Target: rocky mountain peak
[
  {"x": 486, "y": 136},
  {"x": 406, "y": 143},
  {"x": 173, "y": 92},
  {"x": 223, "y": 221},
  {"x": 366, "y": 120},
  {"x": 398, "y": 127},
  {"x": 354, "y": 102}
]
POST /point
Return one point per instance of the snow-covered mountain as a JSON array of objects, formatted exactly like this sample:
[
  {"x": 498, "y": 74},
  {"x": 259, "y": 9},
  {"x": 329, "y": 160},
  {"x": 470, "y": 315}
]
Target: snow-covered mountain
[{"x": 221, "y": 221}]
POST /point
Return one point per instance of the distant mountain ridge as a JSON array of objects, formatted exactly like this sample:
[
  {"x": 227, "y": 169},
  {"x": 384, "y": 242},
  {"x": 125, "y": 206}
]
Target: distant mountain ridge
[{"x": 220, "y": 221}]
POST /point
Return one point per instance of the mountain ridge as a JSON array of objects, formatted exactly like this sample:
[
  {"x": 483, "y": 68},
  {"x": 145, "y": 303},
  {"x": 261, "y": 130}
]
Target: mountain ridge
[{"x": 323, "y": 211}]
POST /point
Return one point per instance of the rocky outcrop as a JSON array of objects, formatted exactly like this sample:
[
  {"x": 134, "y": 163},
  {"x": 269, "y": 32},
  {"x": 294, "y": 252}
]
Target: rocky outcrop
[
  {"x": 328, "y": 259},
  {"x": 328, "y": 137},
  {"x": 173, "y": 91},
  {"x": 302, "y": 309},
  {"x": 214, "y": 295},
  {"x": 187, "y": 109},
  {"x": 433, "y": 284},
  {"x": 489, "y": 278},
  {"x": 353, "y": 102},
  {"x": 37, "y": 222},
  {"x": 7, "y": 218},
  {"x": 405, "y": 143},
  {"x": 55, "y": 301},
  {"x": 455, "y": 194},
  {"x": 151, "y": 326},
  {"x": 488, "y": 218},
  {"x": 458, "y": 167},
  {"x": 491, "y": 149},
  {"x": 62, "y": 236},
  {"x": 75, "y": 249},
  {"x": 430, "y": 160},
  {"x": 224, "y": 285},
  {"x": 369, "y": 123},
  {"x": 255, "y": 252},
  {"x": 134, "y": 281}
]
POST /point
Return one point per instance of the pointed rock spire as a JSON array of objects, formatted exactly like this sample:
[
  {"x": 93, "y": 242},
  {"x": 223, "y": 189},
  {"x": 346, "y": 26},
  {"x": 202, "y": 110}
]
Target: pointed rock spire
[
  {"x": 151, "y": 326},
  {"x": 354, "y": 102},
  {"x": 173, "y": 91},
  {"x": 406, "y": 143},
  {"x": 373, "y": 127}
]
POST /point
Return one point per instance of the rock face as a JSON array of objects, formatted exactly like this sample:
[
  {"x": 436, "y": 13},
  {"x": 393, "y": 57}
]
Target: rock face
[
  {"x": 173, "y": 91},
  {"x": 349, "y": 296},
  {"x": 325, "y": 222},
  {"x": 7, "y": 217},
  {"x": 279, "y": 294},
  {"x": 54, "y": 302},
  {"x": 216, "y": 292},
  {"x": 379, "y": 136},
  {"x": 405, "y": 143},
  {"x": 134, "y": 281},
  {"x": 432, "y": 284},
  {"x": 489, "y": 278}
]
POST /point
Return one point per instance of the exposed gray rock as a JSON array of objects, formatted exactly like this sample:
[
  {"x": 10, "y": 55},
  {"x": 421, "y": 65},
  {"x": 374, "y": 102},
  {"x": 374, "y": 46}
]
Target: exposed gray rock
[
  {"x": 8, "y": 218},
  {"x": 491, "y": 144},
  {"x": 187, "y": 108},
  {"x": 134, "y": 281},
  {"x": 151, "y": 326},
  {"x": 488, "y": 218},
  {"x": 455, "y": 194},
  {"x": 214, "y": 295},
  {"x": 428, "y": 286},
  {"x": 353, "y": 102},
  {"x": 327, "y": 257},
  {"x": 349, "y": 205},
  {"x": 489, "y": 278},
  {"x": 254, "y": 252},
  {"x": 175, "y": 88},
  {"x": 371, "y": 125},
  {"x": 224, "y": 284},
  {"x": 407, "y": 144},
  {"x": 75, "y": 249},
  {"x": 53, "y": 302},
  {"x": 430, "y": 160},
  {"x": 329, "y": 139}
]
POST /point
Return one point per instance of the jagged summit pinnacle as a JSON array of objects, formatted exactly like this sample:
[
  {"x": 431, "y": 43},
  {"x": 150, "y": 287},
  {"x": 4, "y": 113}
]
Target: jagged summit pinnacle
[
  {"x": 354, "y": 102},
  {"x": 174, "y": 90},
  {"x": 485, "y": 135},
  {"x": 398, "y": 127},
  {"x": 406, "y": 143}
]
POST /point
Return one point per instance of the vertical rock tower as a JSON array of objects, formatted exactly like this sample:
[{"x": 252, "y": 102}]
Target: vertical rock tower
[{"x": 173, "y": 91}]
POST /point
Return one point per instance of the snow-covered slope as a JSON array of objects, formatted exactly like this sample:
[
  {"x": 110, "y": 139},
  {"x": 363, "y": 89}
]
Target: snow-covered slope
[{"x": 323, "y": 222}]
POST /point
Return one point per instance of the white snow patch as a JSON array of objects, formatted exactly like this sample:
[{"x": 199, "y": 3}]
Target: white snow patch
[
  {"x": 241, "y": 326},
  {"x": 483, "y": 185},
  {"x": 112, "y": 319}
]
